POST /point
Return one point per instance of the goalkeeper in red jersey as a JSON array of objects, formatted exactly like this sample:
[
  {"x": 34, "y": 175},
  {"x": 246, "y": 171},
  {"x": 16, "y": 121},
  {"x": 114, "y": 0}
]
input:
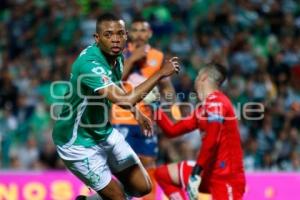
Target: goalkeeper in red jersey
[{"x": 219, "y": 167}]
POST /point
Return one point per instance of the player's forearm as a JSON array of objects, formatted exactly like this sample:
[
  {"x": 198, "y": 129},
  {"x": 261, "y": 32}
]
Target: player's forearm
[
  {"x": 128, "y": 65},
  {"x": 168, "y": 93},
  {"x": 139, "y": 92},
  {"x": 167, "y": 90},
  {"x": 209, "y": 144},
  {"x": 206, "y": 155},
  {"x": 129, "y": 99},
  {"x": 166, "y": 124},
  {"x": 173, "y": 130},
  {"x": 136, "y": 111}
]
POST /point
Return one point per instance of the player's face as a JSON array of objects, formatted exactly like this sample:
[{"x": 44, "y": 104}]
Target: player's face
[
  {"x": 111, "y": 37},
  {"x": 140, "y": 33},
  {"x": 199, "y": 84}
]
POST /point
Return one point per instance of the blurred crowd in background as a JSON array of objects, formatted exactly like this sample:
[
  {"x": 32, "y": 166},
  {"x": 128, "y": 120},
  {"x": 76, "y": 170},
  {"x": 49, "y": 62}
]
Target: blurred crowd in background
[{"x": 259, "y": 41}]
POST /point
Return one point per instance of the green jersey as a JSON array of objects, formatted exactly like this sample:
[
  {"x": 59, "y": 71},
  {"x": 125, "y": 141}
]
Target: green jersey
[{"x": 84, "y": 119}]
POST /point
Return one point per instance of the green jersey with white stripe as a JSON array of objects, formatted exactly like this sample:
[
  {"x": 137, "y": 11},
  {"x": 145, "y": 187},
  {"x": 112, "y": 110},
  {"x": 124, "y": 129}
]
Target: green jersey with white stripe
[{"x": 84, "y": 119}]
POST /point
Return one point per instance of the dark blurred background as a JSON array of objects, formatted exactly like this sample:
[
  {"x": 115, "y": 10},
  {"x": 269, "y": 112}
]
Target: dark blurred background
[{"x": 258, "y": 40}]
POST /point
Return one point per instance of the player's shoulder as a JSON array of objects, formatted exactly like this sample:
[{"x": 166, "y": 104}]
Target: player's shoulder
[
  {"x": 89, "y": 61},
  {"x": 155, "y": 52},
  {"x": 91, "y": 53},
  {"x": 216, "y": 99},
  {"x": 217, "y": 96},
  {"x": 86, "y": 52},
  {"x": 95, "y": 67}
]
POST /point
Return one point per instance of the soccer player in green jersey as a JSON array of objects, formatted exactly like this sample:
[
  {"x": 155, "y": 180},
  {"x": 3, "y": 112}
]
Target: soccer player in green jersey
[{"x": 85, "y": 140}]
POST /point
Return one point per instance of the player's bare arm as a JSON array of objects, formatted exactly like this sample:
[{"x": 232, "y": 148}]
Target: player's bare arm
[
  {"x": 127, "y": 100},
  {"x": 138, "y": 54},
  {"x": 181, "y": 127},
  {"x": 167, "y": 90},
  {"x": 144, "y": 122}
]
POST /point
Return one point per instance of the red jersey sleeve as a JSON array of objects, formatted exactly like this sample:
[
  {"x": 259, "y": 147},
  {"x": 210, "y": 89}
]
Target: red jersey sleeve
[
  {"x": 214, "y": 117},
  {"x": 181, "y": 127}
]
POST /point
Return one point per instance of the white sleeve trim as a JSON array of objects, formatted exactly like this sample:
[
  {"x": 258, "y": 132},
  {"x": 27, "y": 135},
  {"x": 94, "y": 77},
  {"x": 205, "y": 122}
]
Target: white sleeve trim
[{"x": 104, "y": 86}]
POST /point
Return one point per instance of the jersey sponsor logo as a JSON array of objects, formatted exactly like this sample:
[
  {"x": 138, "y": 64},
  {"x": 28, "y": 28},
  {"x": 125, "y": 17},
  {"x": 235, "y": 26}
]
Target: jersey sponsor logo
[
  {"x": 105, "y": 79},
  {"x": 152, "y": 63},
  {"x": 213, "y": 104},
  {"x": 98, "y": 70},
  {"x": 214, "y": 108},
  {"x": 212, "y": 117}
]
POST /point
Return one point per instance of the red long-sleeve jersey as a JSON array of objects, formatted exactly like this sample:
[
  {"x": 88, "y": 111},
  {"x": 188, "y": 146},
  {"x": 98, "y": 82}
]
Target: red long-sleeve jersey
[{"x": 220, "y": 154}]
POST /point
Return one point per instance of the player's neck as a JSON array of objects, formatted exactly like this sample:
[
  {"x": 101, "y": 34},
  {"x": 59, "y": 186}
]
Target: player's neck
[{"x": 110, "y": 59}]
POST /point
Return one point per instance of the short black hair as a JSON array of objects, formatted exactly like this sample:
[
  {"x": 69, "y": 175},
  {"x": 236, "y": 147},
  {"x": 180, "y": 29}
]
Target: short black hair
[
  {"x": 138, "y": 18},
  {"x": 106, "y": 17}
]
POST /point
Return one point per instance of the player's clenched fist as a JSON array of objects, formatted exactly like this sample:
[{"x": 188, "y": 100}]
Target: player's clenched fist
[{"x": 170, "y": 67}]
